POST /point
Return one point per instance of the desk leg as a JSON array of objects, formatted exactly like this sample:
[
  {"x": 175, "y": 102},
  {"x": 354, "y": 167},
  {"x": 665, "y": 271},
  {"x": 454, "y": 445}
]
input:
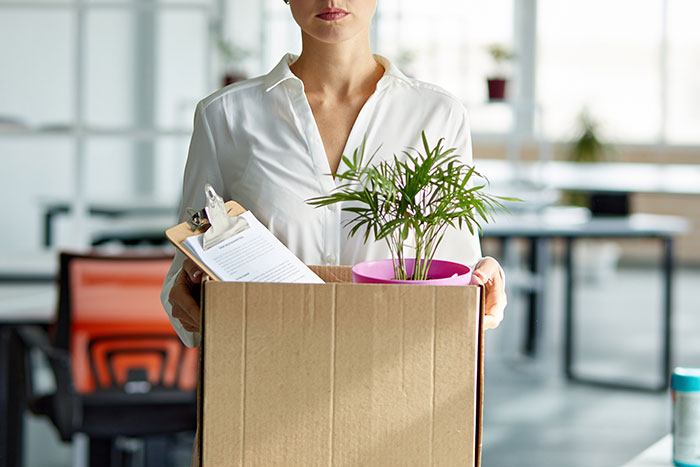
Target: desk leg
[
  {"x": 668, "y": 307},
  {"x": 48, "y": 232},
  {"x": 668, "y": 265},
  {"x": 538, "y": 262},
  {"x": 11, "y": 399},
  {"x": 569, "y": 305}
]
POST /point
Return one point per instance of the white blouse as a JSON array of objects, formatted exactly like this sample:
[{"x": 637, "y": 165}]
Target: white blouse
[{"x": 257, "y": 142}]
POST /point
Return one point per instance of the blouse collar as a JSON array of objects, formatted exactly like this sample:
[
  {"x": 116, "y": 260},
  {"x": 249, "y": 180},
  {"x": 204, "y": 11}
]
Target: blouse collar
[{"x": 282, "y": 72}]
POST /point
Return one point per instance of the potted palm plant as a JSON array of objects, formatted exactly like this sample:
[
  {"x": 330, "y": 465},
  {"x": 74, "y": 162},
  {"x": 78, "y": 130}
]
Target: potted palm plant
[
  {"x": 410, "y": 202},
  {"x": 498, "y": 80}
]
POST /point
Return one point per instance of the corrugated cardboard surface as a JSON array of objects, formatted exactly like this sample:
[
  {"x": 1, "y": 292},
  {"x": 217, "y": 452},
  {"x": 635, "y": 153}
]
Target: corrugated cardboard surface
[{"x": 340, "y": 374}]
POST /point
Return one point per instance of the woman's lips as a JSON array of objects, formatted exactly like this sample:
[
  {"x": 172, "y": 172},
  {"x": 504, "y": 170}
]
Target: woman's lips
[{"x": 332, "y": 14}]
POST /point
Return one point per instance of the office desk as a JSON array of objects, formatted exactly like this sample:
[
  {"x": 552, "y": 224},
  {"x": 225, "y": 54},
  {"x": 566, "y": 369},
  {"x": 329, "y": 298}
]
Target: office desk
[
  {"x": 540, "y": 228},
  {"x": 129, "y": 221},
  {"x": 620, "y": 177},
  {"x": 26, "y": 267}
]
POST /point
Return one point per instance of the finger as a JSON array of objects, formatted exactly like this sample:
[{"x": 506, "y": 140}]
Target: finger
[
  {"x": 187, "y": 321},
  {"x": 487, "y": 268},
  {"x": 182, "y": 288},
  {"x": 191, "y": 328},
  {"x": 495, "y": 309},
  {"x": 493, "y": 315},
  {"x": 486, "y": 278},
  {"x": 496, "y": 299},
  {"x": 478, "y": 278},
  {"x": 194, "y": 272},
  {"x": 490, "y": 322},
  {"x": 182, "y": 315},
  {"x": 187, "y": 304},
  {"x": 181, "y": 297}
]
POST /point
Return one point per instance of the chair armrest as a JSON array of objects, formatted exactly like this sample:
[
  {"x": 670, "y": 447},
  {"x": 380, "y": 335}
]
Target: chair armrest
[
  {"x": 60, "y": 406},
  {"x": 34, "y": 337}
]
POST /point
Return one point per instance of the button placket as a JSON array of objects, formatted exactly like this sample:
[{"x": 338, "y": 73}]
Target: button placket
[{"x": 332, "y": 240}]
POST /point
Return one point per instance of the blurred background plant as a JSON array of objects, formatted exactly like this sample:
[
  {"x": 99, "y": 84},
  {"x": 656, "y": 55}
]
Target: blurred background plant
[
  {"x": 587, "y": 146},
  {"x": 231, "y": 57},
  {"x": 500, "y": 54}
]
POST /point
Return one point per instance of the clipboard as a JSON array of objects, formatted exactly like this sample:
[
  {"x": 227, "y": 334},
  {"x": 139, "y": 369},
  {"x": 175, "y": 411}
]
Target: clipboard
[{"x": 180, "y": 232}]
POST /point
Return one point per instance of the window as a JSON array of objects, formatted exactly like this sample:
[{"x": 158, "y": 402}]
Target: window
[
  {"x": 96, "y": 103},
  {"x": 445, "y": 42},
  {"x": 36, "y": 47},
  {"x": 631, "y": 64},
  {"x": 683, "y": 68}
]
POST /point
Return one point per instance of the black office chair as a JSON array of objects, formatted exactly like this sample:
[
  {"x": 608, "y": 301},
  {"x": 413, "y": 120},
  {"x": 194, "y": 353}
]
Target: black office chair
[{"x": 120, "y": 369}]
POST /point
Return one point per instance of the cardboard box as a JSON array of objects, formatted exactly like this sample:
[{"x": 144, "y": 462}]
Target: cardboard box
[{"x": 340, "y": 374}]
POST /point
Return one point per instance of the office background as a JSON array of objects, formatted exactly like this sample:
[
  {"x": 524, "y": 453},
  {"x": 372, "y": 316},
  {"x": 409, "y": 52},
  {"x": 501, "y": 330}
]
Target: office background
[
  {"x": 96, "y": 97},
  {"x": 96, "y": 106}
]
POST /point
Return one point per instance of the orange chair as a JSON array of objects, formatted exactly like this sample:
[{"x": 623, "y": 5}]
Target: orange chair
[{"x": 120, "y": 368}]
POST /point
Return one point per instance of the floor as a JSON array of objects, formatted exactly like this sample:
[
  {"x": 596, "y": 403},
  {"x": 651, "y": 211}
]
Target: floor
[{"x": 532, "y": 416}]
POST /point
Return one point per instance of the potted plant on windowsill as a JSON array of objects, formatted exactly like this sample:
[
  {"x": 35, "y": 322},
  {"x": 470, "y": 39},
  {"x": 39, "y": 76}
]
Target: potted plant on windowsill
[
  {"x": 411, "y": 200},
  {"x": 498, "y": 80}
]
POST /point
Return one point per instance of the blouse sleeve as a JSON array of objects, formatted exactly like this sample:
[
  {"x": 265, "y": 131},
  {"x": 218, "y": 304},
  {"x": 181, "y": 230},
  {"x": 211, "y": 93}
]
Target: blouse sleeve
[
  {"x": 202, "y": 167},
  {"x": 460, "y": 244}
]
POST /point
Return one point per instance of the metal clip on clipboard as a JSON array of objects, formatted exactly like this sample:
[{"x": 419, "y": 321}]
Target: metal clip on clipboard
[{"x": 222, "y": 226}]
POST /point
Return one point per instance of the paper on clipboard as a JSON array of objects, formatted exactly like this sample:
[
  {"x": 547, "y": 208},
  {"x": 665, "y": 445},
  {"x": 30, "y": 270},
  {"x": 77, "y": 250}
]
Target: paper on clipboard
[{"x": 253, "y": 255}]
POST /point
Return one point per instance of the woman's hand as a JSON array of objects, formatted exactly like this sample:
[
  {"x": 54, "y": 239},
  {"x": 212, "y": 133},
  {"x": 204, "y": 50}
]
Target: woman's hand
[
  {"x": 489, "y": 274},
  {"x": 185, "y": 307}
]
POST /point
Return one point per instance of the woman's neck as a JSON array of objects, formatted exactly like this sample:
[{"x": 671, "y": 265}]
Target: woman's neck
[{"x": 337, "y": 70}]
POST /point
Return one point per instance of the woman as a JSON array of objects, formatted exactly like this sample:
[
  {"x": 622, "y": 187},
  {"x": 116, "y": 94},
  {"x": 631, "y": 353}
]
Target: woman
[{"x": 273, "y": 142}]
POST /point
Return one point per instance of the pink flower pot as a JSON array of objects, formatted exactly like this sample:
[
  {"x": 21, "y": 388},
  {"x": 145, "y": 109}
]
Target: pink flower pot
[{"x": 381, "y": 271}]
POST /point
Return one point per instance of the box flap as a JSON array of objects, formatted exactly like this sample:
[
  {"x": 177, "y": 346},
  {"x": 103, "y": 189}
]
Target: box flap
[{"x": 333, "y": 273}]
